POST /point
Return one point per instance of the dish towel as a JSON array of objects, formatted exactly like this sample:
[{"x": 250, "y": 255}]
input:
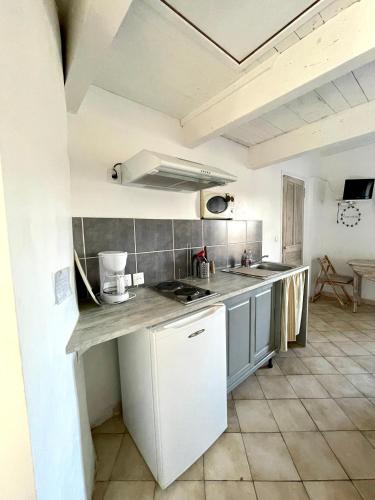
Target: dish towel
[{"x": 291, "y": 308}]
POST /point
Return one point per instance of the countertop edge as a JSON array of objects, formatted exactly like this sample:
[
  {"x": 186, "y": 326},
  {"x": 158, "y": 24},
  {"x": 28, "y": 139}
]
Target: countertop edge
[{"x": 72, "y": 345}]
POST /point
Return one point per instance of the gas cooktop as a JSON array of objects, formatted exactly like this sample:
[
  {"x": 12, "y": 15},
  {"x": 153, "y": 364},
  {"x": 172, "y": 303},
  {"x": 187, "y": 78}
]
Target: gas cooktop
[{"x": 184, "y": 293}]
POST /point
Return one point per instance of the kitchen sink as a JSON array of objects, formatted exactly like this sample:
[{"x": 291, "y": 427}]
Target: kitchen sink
[
  {"x": 260, "y": 270},
  {"x": 272, "y": 266}
]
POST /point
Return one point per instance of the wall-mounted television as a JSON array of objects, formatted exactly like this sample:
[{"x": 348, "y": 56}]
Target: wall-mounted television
[{"x": 358, "y": 189}]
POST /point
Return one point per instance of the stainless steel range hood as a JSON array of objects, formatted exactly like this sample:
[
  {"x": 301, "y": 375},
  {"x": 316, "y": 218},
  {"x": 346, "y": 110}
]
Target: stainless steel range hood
[{"x": 148, "y": 169}]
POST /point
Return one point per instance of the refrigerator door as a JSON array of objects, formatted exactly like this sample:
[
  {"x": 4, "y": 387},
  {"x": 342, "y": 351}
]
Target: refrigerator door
[{"x": 189, "y": 364}]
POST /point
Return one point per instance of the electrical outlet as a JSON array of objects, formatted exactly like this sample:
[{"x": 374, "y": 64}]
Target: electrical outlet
[
  {"x": 128, "y": 280},
  {"x": 111, "y": 175},
  {"x": 138, "y": 279}
]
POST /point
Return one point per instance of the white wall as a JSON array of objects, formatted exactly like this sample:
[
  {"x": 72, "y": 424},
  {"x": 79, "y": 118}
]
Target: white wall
[
  {"x": 336, "y": 240},
  {"x": 16, "y": 467},
  {"x": 109, "y": 129},
  {"x": 33, "y": 145}
]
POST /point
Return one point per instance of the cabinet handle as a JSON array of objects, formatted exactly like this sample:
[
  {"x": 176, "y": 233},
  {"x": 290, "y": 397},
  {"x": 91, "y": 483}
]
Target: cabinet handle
[{"x": 198, "y": 332}]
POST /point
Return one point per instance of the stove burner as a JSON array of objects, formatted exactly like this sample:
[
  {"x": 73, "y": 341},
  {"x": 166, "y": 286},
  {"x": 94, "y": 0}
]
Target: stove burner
[
  {"x": 188, "y": 291},
  {"x": 184, "y": 292},
  {"x": 169, "y": 286}
]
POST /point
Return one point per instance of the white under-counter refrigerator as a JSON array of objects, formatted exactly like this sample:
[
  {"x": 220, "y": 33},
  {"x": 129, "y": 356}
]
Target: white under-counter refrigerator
[{"x": 173, "y": 383}]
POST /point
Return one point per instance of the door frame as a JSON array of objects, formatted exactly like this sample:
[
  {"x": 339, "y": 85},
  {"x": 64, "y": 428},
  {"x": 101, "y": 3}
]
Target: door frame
[{"x": 301, "y": 180}]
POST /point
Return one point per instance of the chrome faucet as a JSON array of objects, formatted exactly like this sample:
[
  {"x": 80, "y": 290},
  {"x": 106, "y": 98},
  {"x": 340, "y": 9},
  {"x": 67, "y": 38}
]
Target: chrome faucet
[{"x": 259, "y": 261}]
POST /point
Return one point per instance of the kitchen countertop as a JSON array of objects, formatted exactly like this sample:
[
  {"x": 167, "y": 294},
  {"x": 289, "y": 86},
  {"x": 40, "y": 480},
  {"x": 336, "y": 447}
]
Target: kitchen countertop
[{"x": 97, "y": 324}]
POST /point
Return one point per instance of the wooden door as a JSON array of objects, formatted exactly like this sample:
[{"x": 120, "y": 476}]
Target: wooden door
[{"x": 292, "y": 231}]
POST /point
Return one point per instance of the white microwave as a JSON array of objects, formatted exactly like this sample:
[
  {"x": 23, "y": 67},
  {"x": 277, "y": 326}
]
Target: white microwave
[{"x": 217, "y": 205}]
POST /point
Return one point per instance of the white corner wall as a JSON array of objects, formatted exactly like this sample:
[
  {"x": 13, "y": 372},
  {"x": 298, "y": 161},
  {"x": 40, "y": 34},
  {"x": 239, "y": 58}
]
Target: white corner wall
[
  {"x": 16, "y": 466},
  {"x": 337, "y": 241},
  {"x": 33, "y": 145}
]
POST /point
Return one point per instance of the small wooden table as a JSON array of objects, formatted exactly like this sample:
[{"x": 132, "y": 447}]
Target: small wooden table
[{"x": 362, "y": 268}]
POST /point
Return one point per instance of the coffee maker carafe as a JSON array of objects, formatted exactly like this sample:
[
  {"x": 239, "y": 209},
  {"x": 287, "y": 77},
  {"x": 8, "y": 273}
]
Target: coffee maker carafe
[{"x": 112, "y": 277}]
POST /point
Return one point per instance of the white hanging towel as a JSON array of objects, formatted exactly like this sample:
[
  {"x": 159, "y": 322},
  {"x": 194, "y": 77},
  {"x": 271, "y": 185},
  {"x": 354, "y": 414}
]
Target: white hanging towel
[{"x": 291, "y": 308}]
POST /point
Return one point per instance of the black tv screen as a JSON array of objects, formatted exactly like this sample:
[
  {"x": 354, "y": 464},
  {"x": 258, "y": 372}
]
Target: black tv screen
[{"x": 358, "y": 189}]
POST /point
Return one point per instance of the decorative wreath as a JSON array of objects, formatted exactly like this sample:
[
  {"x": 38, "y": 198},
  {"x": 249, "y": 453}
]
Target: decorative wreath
[{"x": 350, "y": 216}]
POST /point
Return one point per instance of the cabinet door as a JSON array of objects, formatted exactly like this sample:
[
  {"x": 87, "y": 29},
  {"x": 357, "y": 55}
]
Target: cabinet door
[
  {"x": 263, "y": 336},
  {"x": 238, "y": 335}
]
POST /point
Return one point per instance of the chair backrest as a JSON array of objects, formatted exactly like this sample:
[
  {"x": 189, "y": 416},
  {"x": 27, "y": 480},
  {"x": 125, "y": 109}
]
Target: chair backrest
[{"x": 326, "y": 265}]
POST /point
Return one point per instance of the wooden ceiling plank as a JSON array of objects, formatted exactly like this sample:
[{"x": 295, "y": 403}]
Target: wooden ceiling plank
[
  {"x": 332, "y": 96},
  {"x": 309, "y": 26},
  {"x": 344, "y": 44},
  {"x": 90, "y": 29},
  {"x": 353, "y": 124},
  {"x": 349, "y": 88},
  {"x": 287, "y": 42},
  {"x": 310, "y": 107},
  {"x": 284, "y": 119},
  {"x": 366, "y": 78},
  {"x": 335, "y": 8}
]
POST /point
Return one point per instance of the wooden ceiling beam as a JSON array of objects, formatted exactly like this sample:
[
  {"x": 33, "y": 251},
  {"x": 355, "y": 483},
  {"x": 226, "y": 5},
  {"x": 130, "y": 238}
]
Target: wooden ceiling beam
[
  {"x": 347, "y": 128},
  {"x": 90, "y": 27},
  {"x": 343, "y": 44}
]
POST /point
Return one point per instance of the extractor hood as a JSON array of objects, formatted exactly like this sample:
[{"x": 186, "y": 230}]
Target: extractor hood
[{"x": 148, "y": 169}]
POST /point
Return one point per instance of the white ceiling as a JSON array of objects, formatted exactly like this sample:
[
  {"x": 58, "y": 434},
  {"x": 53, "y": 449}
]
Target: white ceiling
[
  {"x": 346, "y": 92},
  {"x": 159, "y": 60},
  {"x": 240, "y": 27}
]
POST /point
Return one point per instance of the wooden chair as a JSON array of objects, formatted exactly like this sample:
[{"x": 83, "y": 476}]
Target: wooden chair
[{"x": 328, "y": 276}]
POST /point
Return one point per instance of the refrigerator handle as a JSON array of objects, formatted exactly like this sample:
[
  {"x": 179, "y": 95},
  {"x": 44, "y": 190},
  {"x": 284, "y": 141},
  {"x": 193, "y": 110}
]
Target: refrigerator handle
[{"x": 191, "y": 318}]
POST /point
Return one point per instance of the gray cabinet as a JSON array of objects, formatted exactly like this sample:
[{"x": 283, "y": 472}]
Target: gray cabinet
[{"x": 253, "y": 326}]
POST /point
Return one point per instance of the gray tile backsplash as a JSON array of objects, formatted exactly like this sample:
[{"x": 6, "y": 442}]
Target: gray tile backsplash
[
  {"x": 153, "y": 234},
  {"x": 157, "y": 266},
  {"x": 108, "y": 234},
  {"x": 215, "y": 232},
  {"x": 158, "y": 247}
]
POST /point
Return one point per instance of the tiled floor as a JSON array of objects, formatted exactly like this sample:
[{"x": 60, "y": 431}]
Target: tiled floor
[{"x": 304, "y": 429}]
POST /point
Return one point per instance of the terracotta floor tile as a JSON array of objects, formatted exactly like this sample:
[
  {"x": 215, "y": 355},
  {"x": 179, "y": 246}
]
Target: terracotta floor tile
[
  {"x": 269, "y": 458},
  {"x": 330, "y": 490},
  {"x": 230, "y": 490},
  {"x": 345, "y": 365},
  {"x": 114, "y": 425},
  {"x": 367, "y": 362},
  {"x": 226, "y": 459},
  {"x": 292, "y": 366},
  {"x": 280, "y": 491},
  {"x": 354, "y": 452},
  {"x": 360, "y": 411},
  {"x": 127, "y": 490},
  {"x": 338, "y": 386},
  {"x": 329, "y": 349},
  {"x": 291, "y": 415},
  {"x": 352, "y": 348},
  {"x": 328, "y": 415},
  {"x": 319, "y": 366},
  {"x": 248, "y": 389},
  {"x": 194, "y": 472},
  {"x": 255, "y": 416},
  {"x": 277, "y": 388},
  {"x": 306, "y": 386},
  {"x": 180, "y": 490},
  {"x": 129, "y": 464},
  {"x": 366, "y": 489},
  {"x": 313, "y": 457},
  {"x": 233, "y": 424},
  {"x": 107, "y": 447},
  {"x": 364, "y": 383}
]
